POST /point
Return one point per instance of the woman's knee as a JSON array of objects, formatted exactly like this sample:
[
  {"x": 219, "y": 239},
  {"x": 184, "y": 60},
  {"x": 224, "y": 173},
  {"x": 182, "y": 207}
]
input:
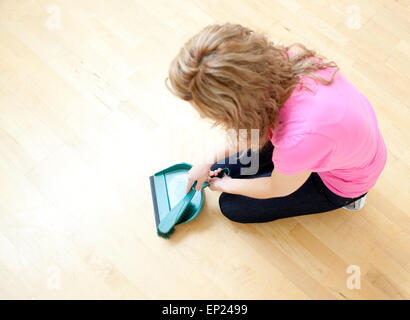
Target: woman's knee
[
  {"x": 229, "y": 208},
  {"x": 246, "y": 210}
]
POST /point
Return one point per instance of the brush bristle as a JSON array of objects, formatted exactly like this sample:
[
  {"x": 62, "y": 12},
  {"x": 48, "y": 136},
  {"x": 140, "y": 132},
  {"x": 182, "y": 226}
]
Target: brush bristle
[
  {"x": 165, "y": 235},
  {"x": 189, "y": 210}
]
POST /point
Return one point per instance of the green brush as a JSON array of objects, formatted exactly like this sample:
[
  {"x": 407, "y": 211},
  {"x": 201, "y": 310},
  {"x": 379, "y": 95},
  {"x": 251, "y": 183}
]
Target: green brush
[{"x": 182, "y": 211}]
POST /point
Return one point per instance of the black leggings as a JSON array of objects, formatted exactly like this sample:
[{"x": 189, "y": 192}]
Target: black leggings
[{"x": 312, "y": 197}]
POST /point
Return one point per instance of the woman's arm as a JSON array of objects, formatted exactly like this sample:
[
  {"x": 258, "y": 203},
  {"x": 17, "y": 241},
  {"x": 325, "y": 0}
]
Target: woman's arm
[
  {"x": 200, "y": 171},
  {"x": 277, "y": 185}
]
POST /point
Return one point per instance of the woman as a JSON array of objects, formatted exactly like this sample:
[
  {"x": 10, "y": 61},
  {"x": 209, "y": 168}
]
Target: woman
[{"x": 320, "y": 148}]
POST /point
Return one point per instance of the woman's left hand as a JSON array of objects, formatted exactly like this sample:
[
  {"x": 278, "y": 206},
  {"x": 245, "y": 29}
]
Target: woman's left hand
[{"x": 219, "y": 184}]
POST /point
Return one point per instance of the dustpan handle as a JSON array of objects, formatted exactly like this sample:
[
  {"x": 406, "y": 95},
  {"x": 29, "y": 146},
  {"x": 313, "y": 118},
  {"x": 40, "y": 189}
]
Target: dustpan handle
[{"x": 224, "y": 171}]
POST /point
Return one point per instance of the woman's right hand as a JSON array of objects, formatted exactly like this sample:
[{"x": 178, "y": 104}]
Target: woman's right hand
[{"x": 199, "y": 173}]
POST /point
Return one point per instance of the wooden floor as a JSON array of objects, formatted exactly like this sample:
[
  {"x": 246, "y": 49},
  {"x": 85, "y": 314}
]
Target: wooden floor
[{"x": 85, "y": 118}]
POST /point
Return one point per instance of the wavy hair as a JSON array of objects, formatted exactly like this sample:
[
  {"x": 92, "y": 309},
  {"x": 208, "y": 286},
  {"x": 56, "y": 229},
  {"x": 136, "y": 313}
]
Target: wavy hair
[{"x": 238, "y": 78}]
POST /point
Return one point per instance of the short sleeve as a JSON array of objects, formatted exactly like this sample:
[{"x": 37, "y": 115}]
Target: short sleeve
[{"x": 311, "y": 153}]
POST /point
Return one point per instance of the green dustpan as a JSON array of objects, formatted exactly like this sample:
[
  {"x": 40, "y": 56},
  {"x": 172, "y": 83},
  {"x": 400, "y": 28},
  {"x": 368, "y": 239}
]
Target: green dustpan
[{"x": 168, "y": 187}]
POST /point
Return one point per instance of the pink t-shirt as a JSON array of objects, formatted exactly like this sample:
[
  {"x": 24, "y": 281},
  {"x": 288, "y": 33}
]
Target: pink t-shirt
[{"x": 333, "y": 132}]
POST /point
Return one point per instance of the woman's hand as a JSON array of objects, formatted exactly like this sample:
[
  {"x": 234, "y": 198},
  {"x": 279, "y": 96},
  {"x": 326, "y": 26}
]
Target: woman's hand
[
  {"x": 199, "y": 173},
  {"x": 219, "y": 184}
]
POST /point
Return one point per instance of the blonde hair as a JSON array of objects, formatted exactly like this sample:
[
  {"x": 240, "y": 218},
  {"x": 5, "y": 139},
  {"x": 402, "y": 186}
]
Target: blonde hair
[{"x": 238, "y": 78}]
